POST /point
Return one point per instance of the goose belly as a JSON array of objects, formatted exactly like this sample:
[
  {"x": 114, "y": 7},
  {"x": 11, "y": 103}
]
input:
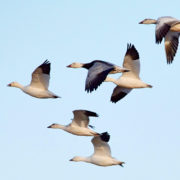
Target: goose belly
[
  {"x": 102, "y": 161},
  {"x": 38, "y": 93},
  {"x": 131, "y": 83},
  {"x": 80, "y": 131}
]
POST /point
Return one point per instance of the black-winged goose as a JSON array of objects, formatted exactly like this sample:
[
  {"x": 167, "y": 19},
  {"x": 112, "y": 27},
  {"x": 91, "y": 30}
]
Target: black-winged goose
[
  {"x": 79, "y": 124},
  {"x": 102, "y": 152},
  {"x": 168, "y": 28},
  {"x": 129, "y": 80},
  {"x": 39, "y": 84},
  {"x": 97, "y": 72}
]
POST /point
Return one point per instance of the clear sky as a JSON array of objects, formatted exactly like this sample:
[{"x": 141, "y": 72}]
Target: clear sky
[{"x": 144, "y": 126}]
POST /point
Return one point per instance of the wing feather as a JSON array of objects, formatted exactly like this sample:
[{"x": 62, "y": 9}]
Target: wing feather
[
  {"x": 97, "y": 74},
  {"x": 101, "y": 146},
  {"x": 171, "y": 45},
  {"x": 41, "y": 76},
  {"x": 81, "y": 117},
  {"x": 131, "y": 62},
  {"x": 119, "y": 93}
]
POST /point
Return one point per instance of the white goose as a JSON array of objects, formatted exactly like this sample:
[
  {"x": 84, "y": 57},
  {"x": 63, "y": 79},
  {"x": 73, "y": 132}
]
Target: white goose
[
  {"x": 168, "y": 28},
  {"x": 102, "y": 153},
  {"x": 129, "y": 80},
  {"x": 97, "y": 72},
  {"x": 79, "y": 125},
  {"x": 39, "y": 84}
]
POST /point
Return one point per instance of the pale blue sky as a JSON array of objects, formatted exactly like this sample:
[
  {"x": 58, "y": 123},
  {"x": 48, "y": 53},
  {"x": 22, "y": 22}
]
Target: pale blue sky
[{"x": 144, "y": 126}]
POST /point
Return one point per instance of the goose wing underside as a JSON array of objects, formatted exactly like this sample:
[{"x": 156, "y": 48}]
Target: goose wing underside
[
  {"x": 131, "y": 62},
  {"x": 41, "y": 76},
  {"x": 171, "y": 45},
  {"x": 163, "y": 26},
  {"x": 119, "y": 93},
  {"x": 101, "y": 146},
  {"x": 96, "y": 75}
]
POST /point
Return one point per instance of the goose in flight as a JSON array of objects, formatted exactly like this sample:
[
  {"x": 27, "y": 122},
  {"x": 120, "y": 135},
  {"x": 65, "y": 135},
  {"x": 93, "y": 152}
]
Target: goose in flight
[
  {"x": 97, "y": 72},
  {"x": 102, "y": 152},
  {"x": 79, "y": 124},
  {"x": 39, "y": 84},
  {"x": 129, "y": 80},
  {"x": 168, "y": 28}
]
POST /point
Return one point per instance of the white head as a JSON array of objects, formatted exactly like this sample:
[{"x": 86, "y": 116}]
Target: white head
[
  {"x": 148, "y": 21},
  {"x": 15, "y": 84},
  {"x": 75, "y": 65},
  {"x": 56, "y": 126},
  {"x": 79, "y": 158}
]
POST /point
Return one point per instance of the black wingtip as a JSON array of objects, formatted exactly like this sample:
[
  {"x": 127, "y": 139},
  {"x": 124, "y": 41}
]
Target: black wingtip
[
  {"x": 116, "y": 98},
  {"x": 93, "y": 127},
  {"x": 121, "y": 164},
  {"x": 90, "y": 113},
  {"x": 105, "y": 136},
  {"x": 55, "y": 96},
  {"x": 132, "y": 51},
  {"x": 45, "y": 66}
]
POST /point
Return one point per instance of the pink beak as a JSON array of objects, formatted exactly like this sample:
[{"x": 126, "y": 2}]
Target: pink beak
[{"x": 69, "y": 65}]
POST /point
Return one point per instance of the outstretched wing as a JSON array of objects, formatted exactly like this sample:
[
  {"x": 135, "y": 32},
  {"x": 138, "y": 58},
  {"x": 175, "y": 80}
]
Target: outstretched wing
[
  {"x": 171, "y": 45},
  {"x": 119, "y": 93},
  {"x": 163, "y": 26},
  {"x": 131, "y": 62},
  {"x": 101, "y": 146},
  {"x": 81, "y": 117},
  {"x": 41, "y": 76},
  {"x": 97, "y": 74}
]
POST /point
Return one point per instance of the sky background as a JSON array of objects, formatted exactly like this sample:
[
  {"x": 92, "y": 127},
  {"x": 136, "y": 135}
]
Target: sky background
[{"x": 144, "y": 126}]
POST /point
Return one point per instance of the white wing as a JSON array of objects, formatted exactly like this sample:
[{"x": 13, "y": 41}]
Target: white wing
[
  {"x": 131, "y": 62},
  {"x": 171, "y": 45},
  {"x": 81, "y": 117},
  {"x": 101, "y": 147},
  {"x": 41, "y": 76}
]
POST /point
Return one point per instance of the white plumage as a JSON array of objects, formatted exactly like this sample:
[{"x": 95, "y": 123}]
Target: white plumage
[
  {"x": 102, "y": 152},
  {"x": 79, "y": 124},
  {"x": 129, "y": 80},
  {"x": 39, "y": 84}
]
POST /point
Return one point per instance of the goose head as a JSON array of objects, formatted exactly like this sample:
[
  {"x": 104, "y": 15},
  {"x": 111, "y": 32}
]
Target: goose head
[
  {"x": 15, "y": 84},
  {"x": 56, "y": 126},
  {"x": 75, "y": 65},
  {"x": 148, "y": 21},
  {"x": 78, "y": 158},
  {"x": 53, "y": 126}
]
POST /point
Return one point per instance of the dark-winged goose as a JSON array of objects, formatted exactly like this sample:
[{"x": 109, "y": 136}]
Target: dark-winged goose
[{"x": 168, "y": 28}]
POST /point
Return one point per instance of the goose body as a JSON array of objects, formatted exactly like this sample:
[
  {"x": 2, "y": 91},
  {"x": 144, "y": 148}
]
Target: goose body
[
  {"x": 102, "y": 153},
  {"x": 79, "y": 124},
  {"x": 168, "y": 28},
  {"x": 39, "y": 84},
  {"x": 97, "y": 72},
  {"x": 129, "y": 80}
]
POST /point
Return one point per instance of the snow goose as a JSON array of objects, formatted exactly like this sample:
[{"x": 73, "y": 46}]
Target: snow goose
[
  {"x": 79, "y": 125},
  {"x": 97, "y": 72},
  {"x": 102, "y": 152},
  {"x": 128, "y": 80},
  {"x": 168, "y": 28},
  {"x": 39, "y": 84}
]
